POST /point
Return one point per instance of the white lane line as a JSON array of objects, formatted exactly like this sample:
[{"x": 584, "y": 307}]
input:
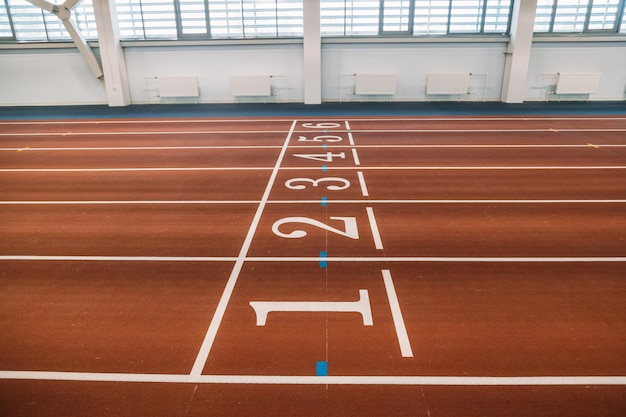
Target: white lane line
[
  {"x": 92, "y": 258},
  {"x": 396, "y": 314},
  {"x": 364, "y": 190},
  {"x": 462, "y": 168},
  {"x": 573, "y": 380},
  {"x": 483, "y": 130},
  {"x": 122, "y": 202},
  {"x": 209, "y": 338},
  {"x": 372, "y": 168},
  {"x": 378, "y": 243},
  {"x": 350, "y": 138},
  {"x": 357, "y": 162},
  {"x": 391, "y": 145},
  {"x": 141, "y": 148},
  {"x": 317, "y": 259},
  {"x": 136, "y": 169},
  {"x": 262, "y": 119},
  {"x": 257, "y": 132},
  {"x": 151, "y": 132},
  {"x": 141, "y": 121},
  {"x": 209, "y": 202}
]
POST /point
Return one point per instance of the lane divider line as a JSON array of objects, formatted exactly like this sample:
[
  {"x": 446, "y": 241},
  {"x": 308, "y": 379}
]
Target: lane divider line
[
  {"x": 364, "y": 190},
  {"x": 378, "y": 243},
  {"x": 211, "y": 334},
  {"x": 396, "y": 314}
]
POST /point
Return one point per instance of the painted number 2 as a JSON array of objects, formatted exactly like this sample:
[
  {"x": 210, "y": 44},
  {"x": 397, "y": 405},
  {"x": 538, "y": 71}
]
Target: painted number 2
[{"x": 349, "y": 223}]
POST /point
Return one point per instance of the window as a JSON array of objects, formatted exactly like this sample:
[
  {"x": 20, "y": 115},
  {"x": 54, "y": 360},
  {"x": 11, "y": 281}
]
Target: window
[
  {"x": 30, "y": 23},
  {"x": 6, "y": 28},
  {"x": 349, "y": 18},
  {"x": 414, "y": 17},
  {"x": 578, "y": 16}
]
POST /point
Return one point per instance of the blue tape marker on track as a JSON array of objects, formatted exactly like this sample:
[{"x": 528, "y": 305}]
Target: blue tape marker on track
[
  {"x": 323, "y": 262},
  {"x": 324, "y": 201},
  {"x": 321, "y": 368},
  {"x": 324, "y": 168}
]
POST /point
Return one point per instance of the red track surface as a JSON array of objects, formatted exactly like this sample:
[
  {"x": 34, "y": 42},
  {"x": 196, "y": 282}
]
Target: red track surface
[{"x": 131, "y": 252}]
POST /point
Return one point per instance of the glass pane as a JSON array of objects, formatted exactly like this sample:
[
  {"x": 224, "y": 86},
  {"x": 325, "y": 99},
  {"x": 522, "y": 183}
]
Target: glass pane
[
  {"x": 396, "y": 15},
  {"x": 543, "y": 17},
  {"x": 27, "y": 21},
  {"x": 349, "y": 18},
  {"x": 623, "y": 25},
  {"x": 84, "y": 17},
  {"x": 226, "y": 19},
  {"x": 603, "y": 15},
  {"x": 431, "y": 17},
  {"x": 570, "y": 15},
  {"x": 130, "y": 19},
  {"x": 290, "y": 18},
  {"x": 466, "y": 16},
  {"x": 192, "y": 17},
  {"x": 497, "y": 16},
  {"x": 5, "y": 23},
  {"x": 259, "y": 19},
  {"x": 159, "y": 19}
]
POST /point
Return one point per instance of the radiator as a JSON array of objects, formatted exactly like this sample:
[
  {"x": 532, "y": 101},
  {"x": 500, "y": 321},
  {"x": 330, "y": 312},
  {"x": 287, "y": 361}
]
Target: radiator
[
  {"x": 178, "y": 86},
  {"x": 375, "y": 84},
  {"x": 569, "y": 83},
  {"x": 253, "y": 85},
  {"x": 447, "y": 84}
]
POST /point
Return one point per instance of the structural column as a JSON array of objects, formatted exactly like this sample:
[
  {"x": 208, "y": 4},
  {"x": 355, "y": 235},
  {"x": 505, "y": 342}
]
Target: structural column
[
  {"x": 312, "y": 53},
  {"x": 518, "y": 51},
  {"x": 111, "y": 54}
]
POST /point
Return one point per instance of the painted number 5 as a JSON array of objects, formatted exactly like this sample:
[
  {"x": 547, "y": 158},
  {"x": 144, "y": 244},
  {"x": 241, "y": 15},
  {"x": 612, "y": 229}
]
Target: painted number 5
[{"x": 349, "y": 224}]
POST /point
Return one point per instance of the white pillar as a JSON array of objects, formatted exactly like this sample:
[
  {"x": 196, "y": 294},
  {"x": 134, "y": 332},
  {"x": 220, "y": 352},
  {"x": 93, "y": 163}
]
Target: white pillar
[
  {"x": 312, "y": 53},
  {"x": 518, "y": 51},
  {"x": 111, "y": 54}
]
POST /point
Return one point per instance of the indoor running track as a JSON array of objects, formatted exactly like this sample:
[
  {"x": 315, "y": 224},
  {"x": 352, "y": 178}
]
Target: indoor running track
[{"x": 314, "y": 267}]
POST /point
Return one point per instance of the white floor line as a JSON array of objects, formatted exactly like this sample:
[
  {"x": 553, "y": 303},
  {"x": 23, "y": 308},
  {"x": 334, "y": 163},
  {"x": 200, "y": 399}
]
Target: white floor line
[
  {"x": 216, "y": 321},
  {"x": 135, "y": 169},
  {"x": 326, "y": 201},
  {"x": 197, "y": 120},
  {"x": 364, "y": 190},
  {"x": 378, "y": 243},
  {"x": 104, "y": 258},
  {"x": 137, "y": 148},
  {"x": 145, "y": 133},
  {"x": 311, "y": 168},
  {"x": 573, "y": 380},
  {"x": 256, "y": 132},
  {"x": 396, "y": 314},
  {"x": 317, "y": 259}
]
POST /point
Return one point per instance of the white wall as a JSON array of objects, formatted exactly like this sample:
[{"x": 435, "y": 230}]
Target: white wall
[
  {"x": 60, "y": 76},
  {"x": 214, "y": 65},
  {"x": 412, "y": 63},
  {"x": 549, "y": 58},
  {"x": 47, "y": 77}
]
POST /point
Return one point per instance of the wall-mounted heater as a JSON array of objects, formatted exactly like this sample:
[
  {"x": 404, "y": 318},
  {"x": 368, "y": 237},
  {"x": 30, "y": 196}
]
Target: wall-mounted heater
[
  {"x": 450, "y": 84},
  {"x": 177, "y": 86},
  {"x": 570, "y": 83},
  {"x": 375, "y": 84},
  {"x": 251, "y": 85}
]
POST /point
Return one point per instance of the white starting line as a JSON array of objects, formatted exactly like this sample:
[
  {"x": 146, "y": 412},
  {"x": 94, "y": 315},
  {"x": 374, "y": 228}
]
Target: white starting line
[{"x": 317, "y": 380}]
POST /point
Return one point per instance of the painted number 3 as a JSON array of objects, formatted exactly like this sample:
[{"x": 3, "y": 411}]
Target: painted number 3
[
  {"x": 291, "y": 184},
  {"x": 349, "y": 223}
]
